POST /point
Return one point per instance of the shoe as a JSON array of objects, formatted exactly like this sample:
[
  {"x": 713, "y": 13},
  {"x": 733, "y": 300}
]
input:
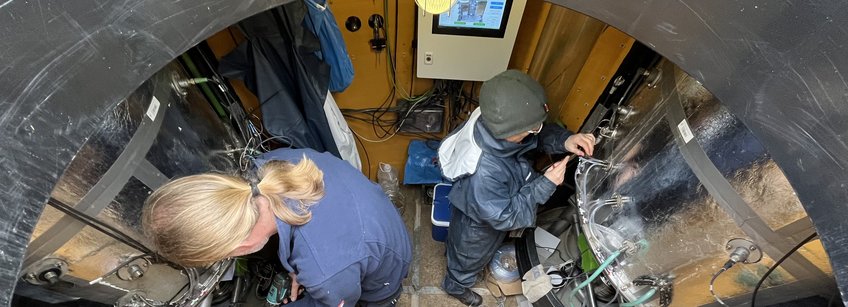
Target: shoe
[{"x": 469, "y": 298}]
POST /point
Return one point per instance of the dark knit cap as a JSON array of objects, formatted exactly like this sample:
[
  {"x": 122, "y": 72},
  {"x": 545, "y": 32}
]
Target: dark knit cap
[{"x": 511, "y": 103}]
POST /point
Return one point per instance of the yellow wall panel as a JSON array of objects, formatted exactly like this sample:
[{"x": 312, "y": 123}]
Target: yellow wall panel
[
  {"x": 372, "y": 85},
  {"x": 564, "y": 46},
  {"x": 605, "y": 58},
  {"x": 532, "y": 23}
]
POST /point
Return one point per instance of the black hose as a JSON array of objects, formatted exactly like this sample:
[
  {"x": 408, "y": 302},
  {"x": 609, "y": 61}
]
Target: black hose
[{"x": 774, "y": 266}]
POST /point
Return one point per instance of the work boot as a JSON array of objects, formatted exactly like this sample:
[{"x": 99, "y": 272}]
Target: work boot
[{"x": 469, "y": 298}]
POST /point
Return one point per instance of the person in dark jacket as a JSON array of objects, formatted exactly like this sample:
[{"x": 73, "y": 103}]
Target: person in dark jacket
[
  {"x": 341, "y": 238},
  {"x": 495, "y": 189}
]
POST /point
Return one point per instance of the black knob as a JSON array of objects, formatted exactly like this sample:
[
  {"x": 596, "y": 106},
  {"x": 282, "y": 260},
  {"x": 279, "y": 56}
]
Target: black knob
[{"x": 353, "y": 23}]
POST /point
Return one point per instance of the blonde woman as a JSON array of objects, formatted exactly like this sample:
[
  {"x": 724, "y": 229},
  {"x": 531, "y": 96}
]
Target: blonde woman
[{"x": 340, "y": 237}]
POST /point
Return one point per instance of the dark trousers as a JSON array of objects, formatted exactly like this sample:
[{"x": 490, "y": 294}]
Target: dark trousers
[
  {"x": 391, "y": 301},
  {"x": 470, "y": 247}
]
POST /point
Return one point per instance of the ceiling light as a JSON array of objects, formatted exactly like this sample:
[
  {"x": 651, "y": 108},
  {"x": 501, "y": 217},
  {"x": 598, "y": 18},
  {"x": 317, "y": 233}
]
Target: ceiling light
[{"x": 435, "y": 7}]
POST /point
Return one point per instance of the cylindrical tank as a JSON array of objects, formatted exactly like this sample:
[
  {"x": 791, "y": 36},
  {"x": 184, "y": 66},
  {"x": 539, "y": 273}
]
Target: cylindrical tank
[
  {"x": 66, "y": 68},
  {"x": 161, "y": 131},
  {"x": 684, "y": 177}
]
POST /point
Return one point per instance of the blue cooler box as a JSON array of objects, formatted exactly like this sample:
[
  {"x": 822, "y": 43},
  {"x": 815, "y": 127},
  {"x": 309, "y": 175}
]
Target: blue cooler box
[{"x": 440, "y": 213}]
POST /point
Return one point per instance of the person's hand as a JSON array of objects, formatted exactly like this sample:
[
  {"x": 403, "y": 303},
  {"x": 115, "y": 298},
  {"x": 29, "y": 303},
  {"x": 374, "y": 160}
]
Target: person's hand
[
  {"x": 556, "y": 172},
  {"x": 581, "y": 144},
  {"x": 295, "y": 288}
]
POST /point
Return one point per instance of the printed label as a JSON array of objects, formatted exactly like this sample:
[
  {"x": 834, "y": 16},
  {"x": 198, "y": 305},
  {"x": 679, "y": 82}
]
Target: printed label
[
  {"x": 153, "y": 109},
  {"x": 685, "y": 132}
]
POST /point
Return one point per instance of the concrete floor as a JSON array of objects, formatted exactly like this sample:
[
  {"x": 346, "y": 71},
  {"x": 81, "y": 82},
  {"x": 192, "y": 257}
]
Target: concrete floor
[{"x": 423, "y": 286}]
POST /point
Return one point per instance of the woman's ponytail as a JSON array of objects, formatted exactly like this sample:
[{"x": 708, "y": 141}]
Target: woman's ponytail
[{"x": 291, "y": 188}]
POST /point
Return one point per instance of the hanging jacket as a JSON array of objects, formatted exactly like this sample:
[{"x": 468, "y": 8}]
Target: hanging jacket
[
  {"x": 278, "y": 64},
  {"x": 504, "y": 191},
  {"x": 333, "y": 49},
  {"x": 355, "y": 247}
]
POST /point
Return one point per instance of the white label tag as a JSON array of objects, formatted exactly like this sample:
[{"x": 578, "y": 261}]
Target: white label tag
[
  {"x": 153, "y": 109},
  {"x": 685, "y": 132}
]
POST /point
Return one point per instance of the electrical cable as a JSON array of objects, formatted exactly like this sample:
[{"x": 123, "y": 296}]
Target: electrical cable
[
  {"x": 642, "y": 299},
  {"x": 393, "y": 127},
  {"x": 594, "y": 275},
  {"x": 123, "y": 238},
  {"x": 365, "y": 151},
  {"x": 775, "y": 265},
  {"x": 377, "y": 115},
  {"x": 712, "y": 288},
  {"x": 100, "y": 226}
]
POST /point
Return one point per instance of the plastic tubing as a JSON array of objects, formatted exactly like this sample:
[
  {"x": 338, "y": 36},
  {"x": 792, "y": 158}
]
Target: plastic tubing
[
  {"x": 594, "y": 210},
  {"x": 584, "y": 197},
  {"x": 594, "y": 275},
  {"x": 642, "y": 299}
]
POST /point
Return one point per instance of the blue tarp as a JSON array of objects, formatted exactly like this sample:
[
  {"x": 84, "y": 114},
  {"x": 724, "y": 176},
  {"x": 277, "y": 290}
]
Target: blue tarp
[{"x": 422, "y": 163}]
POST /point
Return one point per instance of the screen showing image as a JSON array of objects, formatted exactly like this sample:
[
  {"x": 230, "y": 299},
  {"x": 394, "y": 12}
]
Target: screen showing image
[
  {"x": 483, "y": 18},
  {"x": 475, "y": 14}
]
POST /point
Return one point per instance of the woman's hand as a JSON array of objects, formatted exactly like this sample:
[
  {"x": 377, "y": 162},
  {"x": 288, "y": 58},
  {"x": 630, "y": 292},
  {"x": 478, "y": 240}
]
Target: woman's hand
[{"x": 295, "y": 289}]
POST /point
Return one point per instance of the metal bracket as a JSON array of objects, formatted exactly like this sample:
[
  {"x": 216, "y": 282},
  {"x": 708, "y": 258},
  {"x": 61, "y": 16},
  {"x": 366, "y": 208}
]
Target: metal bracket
[
  {"x": 755, "y": 254},
  {"x": 654, "y": 76},
  {"x": 177, "y": 84},
  {"x": 46, "y": 272},
  {"x": 133, "y": 270}
]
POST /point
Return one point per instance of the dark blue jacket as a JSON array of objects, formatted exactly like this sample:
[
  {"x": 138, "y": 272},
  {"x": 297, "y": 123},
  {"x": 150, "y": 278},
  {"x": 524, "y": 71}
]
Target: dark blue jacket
[
  {"x": 501, "y": 194},
  {"x": 356, "y": 247},
  {"x": 504, "y": 191}
]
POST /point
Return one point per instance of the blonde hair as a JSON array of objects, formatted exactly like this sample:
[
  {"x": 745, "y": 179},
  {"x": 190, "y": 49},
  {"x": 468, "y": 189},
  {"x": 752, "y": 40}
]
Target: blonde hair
[{"x": 197, "y": 220}]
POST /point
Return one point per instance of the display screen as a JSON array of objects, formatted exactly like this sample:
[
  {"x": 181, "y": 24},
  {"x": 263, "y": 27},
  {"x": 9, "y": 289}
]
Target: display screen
[{"x": 487, "y": 18}]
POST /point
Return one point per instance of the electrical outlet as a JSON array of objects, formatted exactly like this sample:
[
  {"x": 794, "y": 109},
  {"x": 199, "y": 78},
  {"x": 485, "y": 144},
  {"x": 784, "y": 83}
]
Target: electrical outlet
[{"x": 428, "y": 58}]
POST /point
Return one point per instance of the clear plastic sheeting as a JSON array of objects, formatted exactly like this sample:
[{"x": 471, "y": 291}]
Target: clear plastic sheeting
[
  {"x": 96, "y": 155},
  {"x": 642, "y": 199},
  {"x": 741, "y": 158},
  {"x": 191, "y": 139}
]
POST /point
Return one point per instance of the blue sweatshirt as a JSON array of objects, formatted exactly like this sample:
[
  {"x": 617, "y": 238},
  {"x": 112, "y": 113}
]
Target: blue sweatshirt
[{"x": 356, "y": 247}]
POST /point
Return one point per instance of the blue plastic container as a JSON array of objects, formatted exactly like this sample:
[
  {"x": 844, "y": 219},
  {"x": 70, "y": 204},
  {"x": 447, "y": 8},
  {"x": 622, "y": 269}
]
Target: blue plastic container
[{"x": 440, "y": 214}]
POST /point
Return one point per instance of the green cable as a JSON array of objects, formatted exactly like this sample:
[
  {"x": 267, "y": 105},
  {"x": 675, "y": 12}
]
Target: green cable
[
  {"x": 205, "y": 88},
  {"x": 391, "y": 67},
  {"x": 642, "y": 299},
  {"x": 594, "y": 275}
]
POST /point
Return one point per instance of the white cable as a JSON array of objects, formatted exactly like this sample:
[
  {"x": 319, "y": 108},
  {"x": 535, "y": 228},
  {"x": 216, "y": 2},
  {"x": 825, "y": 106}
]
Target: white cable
[{"x": 712, "y": 288}]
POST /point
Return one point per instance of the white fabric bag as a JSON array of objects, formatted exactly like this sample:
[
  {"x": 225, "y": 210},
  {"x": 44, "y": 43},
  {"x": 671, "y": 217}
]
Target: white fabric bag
[{"x": 459, "y": 153}]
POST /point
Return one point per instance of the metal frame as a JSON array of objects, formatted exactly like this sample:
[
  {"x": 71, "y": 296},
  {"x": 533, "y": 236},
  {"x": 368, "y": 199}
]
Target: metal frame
[
  {"x": 102, "y": 193},
  {"x": 65, "y": 65},
  {"x": 770, "y": 64}
]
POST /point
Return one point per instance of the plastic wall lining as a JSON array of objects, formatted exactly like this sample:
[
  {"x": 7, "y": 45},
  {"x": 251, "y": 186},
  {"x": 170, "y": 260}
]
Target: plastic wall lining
[
  {"x": 774, "y": 66},
  {"x": 681, "y": 223},
  {"x": 67, "y": 65},
  {"x": 190, "y": 139}
]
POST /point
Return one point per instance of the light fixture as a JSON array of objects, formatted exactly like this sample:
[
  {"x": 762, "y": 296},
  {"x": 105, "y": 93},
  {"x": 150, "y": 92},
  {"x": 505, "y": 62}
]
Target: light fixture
[{"x": 435, "y": 7}]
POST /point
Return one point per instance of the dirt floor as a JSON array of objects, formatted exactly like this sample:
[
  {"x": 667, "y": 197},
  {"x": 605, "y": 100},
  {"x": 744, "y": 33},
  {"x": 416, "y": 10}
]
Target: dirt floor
[{"x": 422, "y": 287}]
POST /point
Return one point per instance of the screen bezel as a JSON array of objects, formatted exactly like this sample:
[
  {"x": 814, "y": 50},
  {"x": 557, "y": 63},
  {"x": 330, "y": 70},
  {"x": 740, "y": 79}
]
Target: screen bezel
[{"x": 494, "y": 33}]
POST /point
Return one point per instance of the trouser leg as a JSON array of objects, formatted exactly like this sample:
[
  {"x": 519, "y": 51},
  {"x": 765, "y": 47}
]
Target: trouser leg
[{"x": 470, "y": 246}]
